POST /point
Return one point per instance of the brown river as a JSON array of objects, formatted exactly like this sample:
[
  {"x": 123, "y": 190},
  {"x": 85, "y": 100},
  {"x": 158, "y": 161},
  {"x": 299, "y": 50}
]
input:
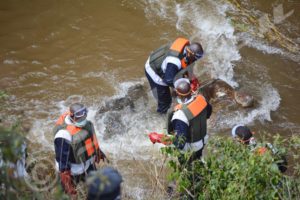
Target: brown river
[{"x": 56, "y": 52}]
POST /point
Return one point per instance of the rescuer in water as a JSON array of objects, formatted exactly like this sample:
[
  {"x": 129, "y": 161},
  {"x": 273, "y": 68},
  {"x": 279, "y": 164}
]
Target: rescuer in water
[
  {"x": 76, "y": 147},
  {"x": 165, "y": 63}
]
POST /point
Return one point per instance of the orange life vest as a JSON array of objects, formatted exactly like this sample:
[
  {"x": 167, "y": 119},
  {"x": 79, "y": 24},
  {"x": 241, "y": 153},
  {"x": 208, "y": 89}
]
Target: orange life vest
[
  {"x": 196, "y": 114},
  {"x": 175, "y": 49},
  {"x": 84, "y": 141}
]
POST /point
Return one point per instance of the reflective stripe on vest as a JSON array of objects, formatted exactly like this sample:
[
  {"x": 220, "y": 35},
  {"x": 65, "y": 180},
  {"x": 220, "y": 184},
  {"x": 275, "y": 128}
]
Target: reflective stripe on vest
[
  {"x": 84, "y": 141},
  {"x": 175, "y": 49},
  {"x": 196, "y": 114},
  {"x": 91, "y": 145},
  {"x": 194, "y": 108},
  {"x": 89, "y": 142}
]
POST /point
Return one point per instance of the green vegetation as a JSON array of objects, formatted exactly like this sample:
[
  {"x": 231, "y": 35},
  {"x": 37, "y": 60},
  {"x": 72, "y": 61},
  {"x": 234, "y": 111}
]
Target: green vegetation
[
  {"x": 230, "y": 170},
  {"x": 12, "y": 187},
  {"x": 3, "y": 95},
  {"x": 10, "y": 152}
]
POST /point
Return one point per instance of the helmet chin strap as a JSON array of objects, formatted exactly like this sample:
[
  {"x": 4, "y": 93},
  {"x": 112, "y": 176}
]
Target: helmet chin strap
[{"x": 182, "y": 100}]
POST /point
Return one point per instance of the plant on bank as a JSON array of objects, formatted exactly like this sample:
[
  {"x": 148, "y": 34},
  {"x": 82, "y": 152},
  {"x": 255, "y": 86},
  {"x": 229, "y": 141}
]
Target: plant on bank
[
  {"x": 10, "y": 151},
  {"x": 230, "y": 170},
  {"x": 3, "y": 94},
  {"x": 11, "y": 186}
]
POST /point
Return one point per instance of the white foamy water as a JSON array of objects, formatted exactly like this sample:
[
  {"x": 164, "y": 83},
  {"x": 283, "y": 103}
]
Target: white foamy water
[
  {"x": 128, "y": 141},
  {"x": 201, "y": 21},
  {"x": 207, "y": 22},
  {"x": 250, "y": 41},
  {"x": 270, "y": 102},
  {"x": 125, "y": 133}
]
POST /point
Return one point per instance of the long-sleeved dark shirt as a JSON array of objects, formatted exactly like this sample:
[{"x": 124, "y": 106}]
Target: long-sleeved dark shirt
[
  {"x": 63, "y": 154},
  {"x": 170, "y": 74},
  {"x": 181, "y": 129}
]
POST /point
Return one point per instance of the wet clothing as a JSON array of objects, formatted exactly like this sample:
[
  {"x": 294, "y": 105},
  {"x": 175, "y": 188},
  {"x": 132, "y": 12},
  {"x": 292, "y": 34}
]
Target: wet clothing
[
  {"x": 161, "y": 68},
  {"x": 162, "y": 94},
  {"x": 75, "y": 147},
  {"x": 189, "y": 125}
]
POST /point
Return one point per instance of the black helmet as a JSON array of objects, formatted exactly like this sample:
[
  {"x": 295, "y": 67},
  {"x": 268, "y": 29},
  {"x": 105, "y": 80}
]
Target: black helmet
[
  {"x": 78, "y": 112},
  {"x": 183, "y": 87},
  {"x": 195, "y": 49},
  {"x": 242, "y": 132},
  {"x": 104, "y": 184}
]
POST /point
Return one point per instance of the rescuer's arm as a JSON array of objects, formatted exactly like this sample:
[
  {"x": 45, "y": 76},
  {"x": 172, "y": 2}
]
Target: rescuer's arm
[
  {"x": 181, "y": 130},
  {"x": 63, "y": 155},
  {"x": 170, "y": 74}
]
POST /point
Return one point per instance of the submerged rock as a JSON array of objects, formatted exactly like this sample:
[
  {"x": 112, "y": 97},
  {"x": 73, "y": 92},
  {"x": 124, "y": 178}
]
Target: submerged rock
[
  {"x": 111, "y": 113},
  {"x": 244, "y": 99},
  {"x": 133, "y": 94},
  {"x": 116, "y": 104},
  {"x": 219, "y": 89}
]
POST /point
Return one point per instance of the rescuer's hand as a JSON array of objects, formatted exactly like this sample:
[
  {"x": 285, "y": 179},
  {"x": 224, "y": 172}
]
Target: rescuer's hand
[
  {"x": 66, "y": 182},
  {"x": 101, "y": 156}
]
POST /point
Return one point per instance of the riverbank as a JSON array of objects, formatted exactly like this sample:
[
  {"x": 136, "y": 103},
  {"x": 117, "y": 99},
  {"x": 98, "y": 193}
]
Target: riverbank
[{"x": 227, "y": 170}]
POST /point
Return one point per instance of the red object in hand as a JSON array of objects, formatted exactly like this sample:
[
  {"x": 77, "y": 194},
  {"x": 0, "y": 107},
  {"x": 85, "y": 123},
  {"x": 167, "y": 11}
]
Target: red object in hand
[
  {"x": 194, "y": 84},
  {"x": 159, "y": 138},
  {"x": 66, "y": 181}
]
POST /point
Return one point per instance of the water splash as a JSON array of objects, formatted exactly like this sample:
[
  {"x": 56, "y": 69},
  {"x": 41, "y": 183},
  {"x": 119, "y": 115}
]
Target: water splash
[
  {"x": 207, "y": 22},
  {"x": 129, "y": 137},
  {"x": 270, "y": 102}
]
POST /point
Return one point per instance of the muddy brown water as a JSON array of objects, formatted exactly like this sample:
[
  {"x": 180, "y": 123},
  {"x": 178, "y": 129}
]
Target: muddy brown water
[{"x": 53, "y": 50}]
